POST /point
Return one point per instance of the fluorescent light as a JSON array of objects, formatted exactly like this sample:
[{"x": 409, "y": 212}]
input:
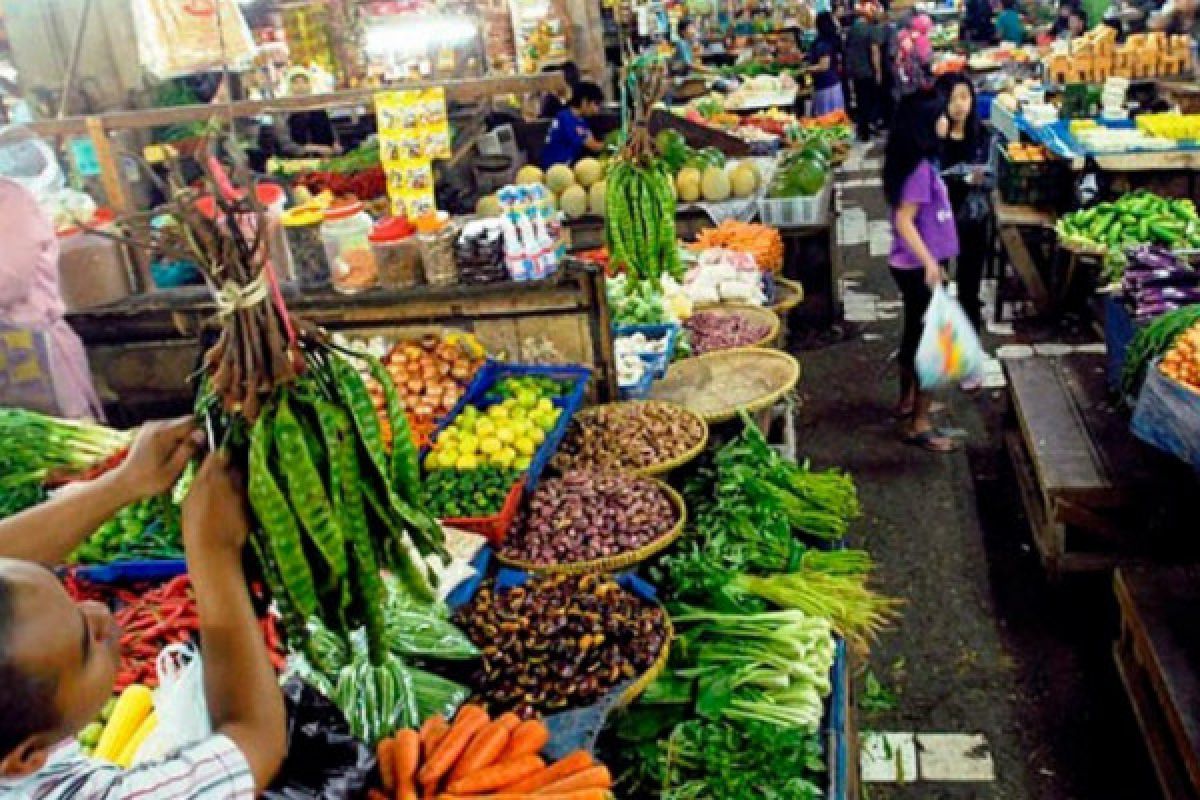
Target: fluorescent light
[{"x": 415, "y": 35}]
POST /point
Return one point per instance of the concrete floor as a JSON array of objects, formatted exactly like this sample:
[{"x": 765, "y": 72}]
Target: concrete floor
[{"x": 985, "y": 644}]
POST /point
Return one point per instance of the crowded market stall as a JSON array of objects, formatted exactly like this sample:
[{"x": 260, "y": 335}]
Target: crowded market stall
[{"x": 527, "y": 515}]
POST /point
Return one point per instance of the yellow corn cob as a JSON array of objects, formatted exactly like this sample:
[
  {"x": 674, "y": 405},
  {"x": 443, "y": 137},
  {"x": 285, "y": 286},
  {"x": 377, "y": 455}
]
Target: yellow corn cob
[
  {"x": 135, "y": 742},
  {"x": 134, "y": 705}
]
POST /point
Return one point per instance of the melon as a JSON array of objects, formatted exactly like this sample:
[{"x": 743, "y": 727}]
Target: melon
[
  {"x": 588, "y": 171},
  {"x": 574, "y": 202},
  {"x": 529, "y": 174},
  {"x": 559, "y": 177},
  {"x": 488, "y": 206},
  {"x": 743, "y": 180},
  {"x": 714, "y": 186},
  {"x": 598, "y": 198},
  {"x": 687, "y": 184}
]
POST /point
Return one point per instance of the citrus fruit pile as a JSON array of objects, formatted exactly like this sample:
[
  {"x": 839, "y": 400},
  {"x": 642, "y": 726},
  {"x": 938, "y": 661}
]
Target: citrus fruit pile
[{"x": 506, "y": 434}]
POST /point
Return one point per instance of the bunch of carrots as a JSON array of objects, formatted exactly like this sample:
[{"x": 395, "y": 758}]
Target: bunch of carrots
[
  {"x": 479, "y": 758},
  {"x": 761, "y": 241}
]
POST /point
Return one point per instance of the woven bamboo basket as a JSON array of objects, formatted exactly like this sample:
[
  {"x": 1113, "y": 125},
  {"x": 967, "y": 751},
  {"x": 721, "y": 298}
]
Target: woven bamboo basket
[
  {"x": 660, "y": 663},
  {"x": 660, "y": 468},
  {"x": 716, "y": 385},
  {"x": 759, "y": 314},
  {"x": 788, "y": 295},
  {"x": 618, "y": 562}
]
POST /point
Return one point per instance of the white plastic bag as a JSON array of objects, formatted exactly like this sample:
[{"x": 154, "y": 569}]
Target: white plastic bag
[
  {"x": 179, "y": 37},
  {"x": 179, "y": 703},
  {"x": 949, "y": 351}
]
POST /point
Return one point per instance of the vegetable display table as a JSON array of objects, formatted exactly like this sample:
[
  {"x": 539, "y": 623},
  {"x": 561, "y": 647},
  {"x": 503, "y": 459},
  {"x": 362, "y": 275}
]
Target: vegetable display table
[
  {"x": 1095, "y": 496},
  {"x": 1158, "y": 657},
  {"x": 144, "y": 348},
  {"x": 1015, "y": 227}
]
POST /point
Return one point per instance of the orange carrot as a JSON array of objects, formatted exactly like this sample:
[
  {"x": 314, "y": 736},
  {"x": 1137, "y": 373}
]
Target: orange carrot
[
  {"x": 467, "y": 723},
  {"x": 592, "y": 778},
  {"x": 492, "y": 778},
  {"x": 407, "y": 758},
  {"x": 486, "y": 747},
  {"x": 578, "y": 794},
  {"x": 387, "y": 755},
  {"x": 432, "y": 733},
  {"x": 567, "y": 766},
  {"x": 527, "y": 739},
  {"x": 376, "y": 794}
]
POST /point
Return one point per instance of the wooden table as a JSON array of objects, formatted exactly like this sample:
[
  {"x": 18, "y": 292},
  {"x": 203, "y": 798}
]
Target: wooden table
[
  {"x": 1095, "y": 496},
  {"x": 1158, "y": 657},
  {"x": 1013, "y": 224},
  {"x": 144, "y": 349}
]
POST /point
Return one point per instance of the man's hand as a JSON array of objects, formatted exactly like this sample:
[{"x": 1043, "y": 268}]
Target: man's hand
[
  {"x": 214, "y": 512},
  {"x": 159, "y": 452}
]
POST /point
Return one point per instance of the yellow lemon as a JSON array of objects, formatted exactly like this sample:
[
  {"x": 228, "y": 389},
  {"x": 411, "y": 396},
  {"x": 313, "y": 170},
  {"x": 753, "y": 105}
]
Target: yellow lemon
[
  {"x": 545, "y": 404},
  {"x": 505, "y": 457},
  {"x": 489, "y": 445},
  {"x": 448, "y": 459},
  {"x": 468, "y": 443},
  {"x": 485, "y": 427},
  {"x": 505, "y": 434},
  {"x": 522, "y": 463},
  {"x": 527, "y": 398},
  {"x": 516, "y": 413},
  {"x": 499, "y": 411},
  {"x": 464, "y": 424},
  {"x": 537, "y": 435},
  {"x": 524, "y": 446},
  {"x": 433, "y": 460},
  {"x": 467, "y": 461}
]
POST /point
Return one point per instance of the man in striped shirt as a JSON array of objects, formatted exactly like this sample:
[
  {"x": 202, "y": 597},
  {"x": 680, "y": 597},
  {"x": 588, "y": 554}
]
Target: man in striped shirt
[{"x": 58, "y": 659}]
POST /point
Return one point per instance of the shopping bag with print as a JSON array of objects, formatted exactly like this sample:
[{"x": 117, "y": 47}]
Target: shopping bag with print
[{"x": 949, "y": 351}]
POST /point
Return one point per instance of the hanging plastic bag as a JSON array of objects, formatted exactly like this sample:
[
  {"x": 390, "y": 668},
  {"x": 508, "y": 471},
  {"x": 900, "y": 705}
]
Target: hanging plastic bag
[
  {"x": 179, "y": 703},
  {"x": 324, "y": 760},
  {"x": 949, "y": 351},
  {"x": 180, "y": 37}
]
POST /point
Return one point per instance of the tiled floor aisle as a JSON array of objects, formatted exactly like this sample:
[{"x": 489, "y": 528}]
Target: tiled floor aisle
[{"x": 1018, "y": 674}]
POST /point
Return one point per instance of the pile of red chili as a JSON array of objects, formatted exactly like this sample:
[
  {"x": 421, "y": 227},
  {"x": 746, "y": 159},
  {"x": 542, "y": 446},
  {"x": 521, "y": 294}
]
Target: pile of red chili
[{"x": 152, "y": 617}]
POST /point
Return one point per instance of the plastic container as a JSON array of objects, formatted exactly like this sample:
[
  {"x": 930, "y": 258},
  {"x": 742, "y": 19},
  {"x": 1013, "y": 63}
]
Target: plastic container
[
  {"x": 438, "y": 256},
  {"x": 132, "y": 571},
  {"x": 346, "y": 233},
  {"x": 497, "y": 526},
  {"x": 492, "y": 372},
  {"x": 397, "y": 253},
  {"x": 302, "y": 229},
  {"x": 92, "y": 269},
  {"x": 792, "y": 212}
]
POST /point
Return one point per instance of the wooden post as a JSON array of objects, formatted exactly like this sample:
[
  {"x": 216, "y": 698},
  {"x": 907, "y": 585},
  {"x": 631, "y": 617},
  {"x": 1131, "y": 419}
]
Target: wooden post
[{"x": 110, "y": 171}]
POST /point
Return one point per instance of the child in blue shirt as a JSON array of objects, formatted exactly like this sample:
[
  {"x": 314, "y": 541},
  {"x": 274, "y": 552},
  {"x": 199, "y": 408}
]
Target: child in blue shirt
[{"x": 569, "y": 135}]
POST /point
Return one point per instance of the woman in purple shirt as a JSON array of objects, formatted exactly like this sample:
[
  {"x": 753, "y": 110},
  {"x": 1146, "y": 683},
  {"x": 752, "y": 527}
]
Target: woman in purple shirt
[{"x": 923, "y": 238}]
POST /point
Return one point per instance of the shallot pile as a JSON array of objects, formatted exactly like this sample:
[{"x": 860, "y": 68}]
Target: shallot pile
[
  {"x": 629, "y": 436},
  {"x": 584, "y": 516},
  {"x": 720, "y": 330},
  {"x": 560, "y": 642}
]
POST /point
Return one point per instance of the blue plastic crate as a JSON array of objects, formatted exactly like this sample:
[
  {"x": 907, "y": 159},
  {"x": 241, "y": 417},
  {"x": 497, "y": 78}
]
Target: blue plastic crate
[
  {"x": 492, "y": 372},
  {"x": 639, "y": 390},
  {"x": 656, "y": 363},
  {"x": 133, "y": 571},
  {"x": 837, "y": 754},
  {"x": 462, "y": 594},
  {"x": 1119, "y": 330}
]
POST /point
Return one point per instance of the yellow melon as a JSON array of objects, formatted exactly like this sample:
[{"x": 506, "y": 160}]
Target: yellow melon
[
  {"x": 588, "y": 171},
  {"x": 559, "y": 177},
  {"x": 597, "y": 201},
  {"x": 574, "y": 202},
  {"x": 714, "y": 186},
  {"x": 529, "y": 174},
  {"x": 687, "y": 184}
]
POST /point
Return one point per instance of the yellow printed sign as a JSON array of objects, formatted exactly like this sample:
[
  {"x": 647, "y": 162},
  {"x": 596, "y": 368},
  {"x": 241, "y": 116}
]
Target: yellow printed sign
[{"x": 414, "y": 129}]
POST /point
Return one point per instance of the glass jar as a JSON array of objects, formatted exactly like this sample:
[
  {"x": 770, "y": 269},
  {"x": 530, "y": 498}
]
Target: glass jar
[
  {"x": 397, "y": 253},
  {"x": 345, "y": 233},
  {"x": 310, "y": 265},
  {"x": 437, "y": 235}
]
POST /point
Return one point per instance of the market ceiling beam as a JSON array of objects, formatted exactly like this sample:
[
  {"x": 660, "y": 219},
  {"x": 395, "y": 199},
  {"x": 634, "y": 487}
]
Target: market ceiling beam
[{"x": 461, "y": 90}]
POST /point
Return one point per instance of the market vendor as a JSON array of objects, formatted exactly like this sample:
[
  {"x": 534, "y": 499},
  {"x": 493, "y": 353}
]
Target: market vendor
[
  {"x": 825, "y": 58},
  {"x": 688, "y": 46},
  {"x": 554, "y": 102},
  {"x": 306, "y": 133},
  {"x": 569, "y": 136},
  {"x": 30, "y": 299},
  {"x": 1009, "y": 25},
  {"x": 58, "y": 659}
]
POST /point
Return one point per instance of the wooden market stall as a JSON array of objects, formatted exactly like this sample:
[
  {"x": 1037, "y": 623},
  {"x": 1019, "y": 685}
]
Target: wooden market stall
[
  {"x": 1095, "y": 496},
  {"x": 143, "y": 349},
  {"x": 1158, "y": 657}
]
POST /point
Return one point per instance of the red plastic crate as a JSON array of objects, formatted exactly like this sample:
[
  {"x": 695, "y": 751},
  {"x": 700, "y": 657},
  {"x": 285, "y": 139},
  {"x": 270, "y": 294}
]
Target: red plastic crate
[{"x": 495, "y": 528}]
